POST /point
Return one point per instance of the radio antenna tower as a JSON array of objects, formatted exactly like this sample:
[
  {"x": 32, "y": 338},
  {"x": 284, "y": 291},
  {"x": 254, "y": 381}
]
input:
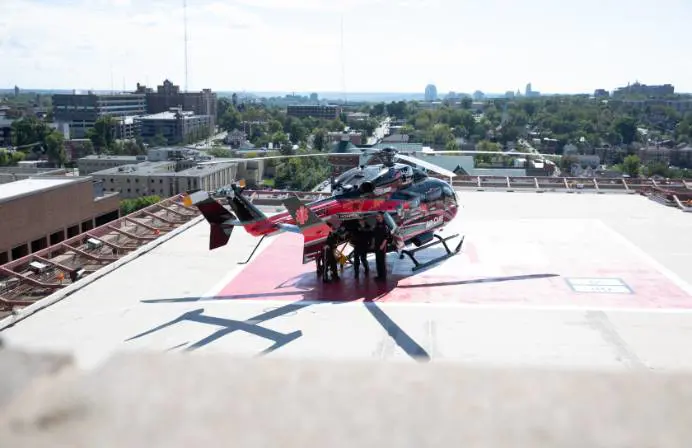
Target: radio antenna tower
[
  {"x": 343, "y": 67},
  {"x": 185, "y": 28}
]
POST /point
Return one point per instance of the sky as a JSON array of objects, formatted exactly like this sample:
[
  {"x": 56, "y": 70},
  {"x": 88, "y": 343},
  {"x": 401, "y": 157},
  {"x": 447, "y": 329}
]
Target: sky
[{"x": 560, "y": 46}]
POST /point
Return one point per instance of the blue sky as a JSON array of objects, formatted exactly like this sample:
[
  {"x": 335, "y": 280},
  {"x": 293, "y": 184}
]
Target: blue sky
[{"x": 389, "y": 45}]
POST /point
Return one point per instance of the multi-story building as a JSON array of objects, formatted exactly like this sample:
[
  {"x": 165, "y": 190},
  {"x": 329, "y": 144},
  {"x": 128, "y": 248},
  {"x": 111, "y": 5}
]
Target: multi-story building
[
  {"x": 354, "y": 137},
  {"x": 127, "y": 127},
  {"x": 642, "y": 89},
  {"x": 93, "y": 163},
  {"x": 5, "y": 130},
  {"x": 43, "y": 211},
  {"x": 169, "y": 96},
  {"x": 14, "y": 173},
  {"x": 82, "y": 110},
  {"x": 176, "y": 126},
  {"x": 315, "y": 111},
  {"x": 166, "y": 178}
]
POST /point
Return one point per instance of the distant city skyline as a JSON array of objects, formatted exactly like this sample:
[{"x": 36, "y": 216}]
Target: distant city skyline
[{"x": 280, "y": 46}]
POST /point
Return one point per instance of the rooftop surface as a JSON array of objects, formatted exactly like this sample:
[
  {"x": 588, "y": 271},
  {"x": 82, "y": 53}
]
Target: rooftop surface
[
  {"x": 143, "y": 168},
  {"x": 108, "y": 157},
  {"x": 163, "y": 168},
  {"x": 169, "y": 115},
  {"x": 549, "y": 280},
  {"x": 13, "y": 190}
]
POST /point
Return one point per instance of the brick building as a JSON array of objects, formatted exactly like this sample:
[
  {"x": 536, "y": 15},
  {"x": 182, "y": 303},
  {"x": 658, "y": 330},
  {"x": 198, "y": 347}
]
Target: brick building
[
  {"x": 315, "y": 111},
  {"x": 168, "y": 95},
  {"x": 40, "y": 212}
]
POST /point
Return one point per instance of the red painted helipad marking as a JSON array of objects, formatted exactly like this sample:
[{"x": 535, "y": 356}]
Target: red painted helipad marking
[{"x": 278, "y": 274}]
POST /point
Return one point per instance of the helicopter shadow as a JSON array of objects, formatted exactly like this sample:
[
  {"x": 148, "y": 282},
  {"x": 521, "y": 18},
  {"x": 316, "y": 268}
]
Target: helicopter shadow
[
  {"x": 311, "y": 294},
  {"x": 300, "y": 287},
  {"x": 368, "y": 292}
]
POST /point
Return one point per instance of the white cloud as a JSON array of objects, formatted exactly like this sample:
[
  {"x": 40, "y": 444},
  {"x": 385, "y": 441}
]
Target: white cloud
[{"x": 389, "y": 45}]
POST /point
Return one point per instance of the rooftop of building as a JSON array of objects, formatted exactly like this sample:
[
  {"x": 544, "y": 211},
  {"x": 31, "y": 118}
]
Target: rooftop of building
[
  {"x": 109, "y": 157},
  {"x": 28, "y": 170},
  {"x": 26, "y": 187},
  {"x": 170, "y": 115},
  {"x": 163, "y": 168},
  {"x": 200, "y": 170},
  {"x": 554, "y": 280},
  {"x": 143, "y": 168}
]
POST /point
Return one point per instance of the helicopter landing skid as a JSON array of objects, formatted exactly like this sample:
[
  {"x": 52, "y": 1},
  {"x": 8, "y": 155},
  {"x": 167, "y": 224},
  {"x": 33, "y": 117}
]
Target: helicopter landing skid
[{"x": 440, "y": 240}]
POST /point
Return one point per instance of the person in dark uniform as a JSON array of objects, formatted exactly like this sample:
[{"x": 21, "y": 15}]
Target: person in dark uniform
[
  {"x": 330, "y": 253},
  {"x": 361, "y": 238},
  {"x": 381, "y": 236}
]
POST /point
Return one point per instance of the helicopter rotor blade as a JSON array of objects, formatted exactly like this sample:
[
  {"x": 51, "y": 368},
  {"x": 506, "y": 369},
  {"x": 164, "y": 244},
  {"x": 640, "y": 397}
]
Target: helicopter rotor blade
[
  {"x": 496, "y": 153},
  {"x": 427, "y": 165},
  {"x": 241, "y": 159}
]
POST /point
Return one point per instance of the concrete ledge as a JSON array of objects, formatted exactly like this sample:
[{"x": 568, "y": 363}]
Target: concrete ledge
[
  {"x": 168, "y": 400},
  {"x": 65, "y": 292},
  {"x": 20, "y": 369}
]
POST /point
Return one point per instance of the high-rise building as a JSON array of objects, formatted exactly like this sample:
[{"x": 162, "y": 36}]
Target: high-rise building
[
  {"x": 176, "y": 126},
  {"x": 168, "y": 95},
  {"x": 81, "y": 111},
  {"x": 430, "y": 92},
  {"x": 323, "y": 112}
]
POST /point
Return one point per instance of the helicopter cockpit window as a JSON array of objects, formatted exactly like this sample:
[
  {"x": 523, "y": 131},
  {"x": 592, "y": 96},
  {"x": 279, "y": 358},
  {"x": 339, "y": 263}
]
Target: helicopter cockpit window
[
  {"x": 447, "y": 192},
  {"x": 434, "y": 194},
  {"x": 418, "y": 174}
]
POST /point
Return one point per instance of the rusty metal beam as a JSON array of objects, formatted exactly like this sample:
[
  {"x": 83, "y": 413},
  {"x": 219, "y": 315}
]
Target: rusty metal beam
[
  {"x": 54, "y": 263},
  {"x": 146, "y": 226},
  {"x": 30, "y": 280},
  {"x": 154, "y": 216},
  {"x": 131, "y": 235},
  {"x": 109, "y": 243},
  {"x": 175, "y": 212},
  {"x": 90, "y": 256}
]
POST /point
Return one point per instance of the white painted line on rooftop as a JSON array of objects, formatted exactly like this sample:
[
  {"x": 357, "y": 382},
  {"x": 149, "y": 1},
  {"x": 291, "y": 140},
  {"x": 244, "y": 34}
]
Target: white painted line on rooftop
[
  {"x": 225, "y": 280},
  {"x": 74, "y": 287},
  {"x": 672, "y": 276}
]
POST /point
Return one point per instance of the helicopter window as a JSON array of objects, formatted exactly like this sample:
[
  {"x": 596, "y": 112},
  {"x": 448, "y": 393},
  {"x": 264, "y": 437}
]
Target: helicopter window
[
  {"x": 447, "y": 192},
  {"x": 434, "y": 194}
]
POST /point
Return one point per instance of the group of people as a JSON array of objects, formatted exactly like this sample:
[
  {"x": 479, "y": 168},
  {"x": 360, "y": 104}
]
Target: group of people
[{"x": 364, "y": 239}]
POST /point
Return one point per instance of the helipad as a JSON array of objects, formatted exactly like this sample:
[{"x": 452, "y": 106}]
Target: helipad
[{"x": 553, "y": 279}]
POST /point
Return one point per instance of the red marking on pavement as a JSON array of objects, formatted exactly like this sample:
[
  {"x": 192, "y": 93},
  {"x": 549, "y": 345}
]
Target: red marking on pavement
[{"x": 278, "y": 274}]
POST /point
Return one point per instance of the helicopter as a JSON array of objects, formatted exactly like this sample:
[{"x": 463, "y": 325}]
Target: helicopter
[{"x": 415, "y": 206}]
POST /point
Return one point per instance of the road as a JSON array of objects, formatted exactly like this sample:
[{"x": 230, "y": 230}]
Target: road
[
  {"x": 206, "y": 144},
  {"x": 380, "y": 132}
]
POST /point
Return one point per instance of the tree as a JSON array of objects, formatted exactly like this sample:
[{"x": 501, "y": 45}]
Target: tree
[
  {"x": 626, "y": 127},
  {"x": 230, "y": 119},
  {"x": 128, "y": 206},
  {"x": 631, "y": 165},
  {"x": 566, "y": 163},
  {"x": 302, "y": 173},
  {"x": 10, "y": 158},
  {"x": 320, "y": 140},
  {"x": 378, "y": 110},
  {"x": 219, "y": 152},
  {"x": 102, "y": 135},
  {"x": 29, "y": 130},
  {"x": 55, "y": 148},
  {"x": 298, "y": 133},
  {"x": 451, "y": 146}
]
